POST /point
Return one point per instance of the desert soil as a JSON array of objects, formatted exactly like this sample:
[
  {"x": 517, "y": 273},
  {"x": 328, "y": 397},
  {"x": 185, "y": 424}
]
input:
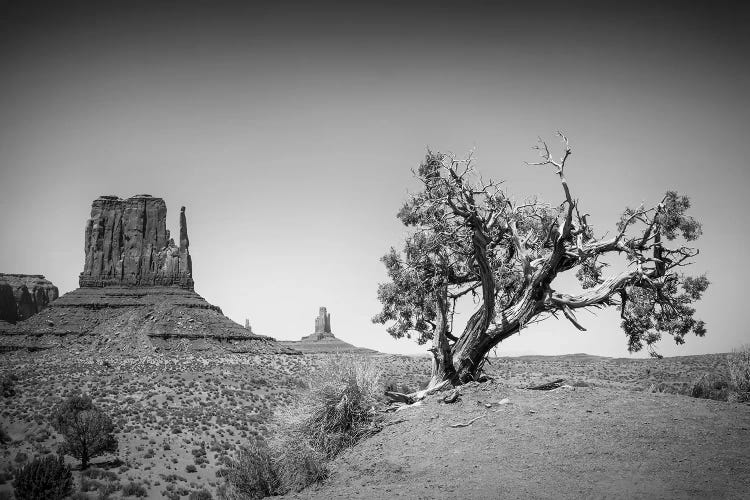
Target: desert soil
[{"x": 583, "y": 442}]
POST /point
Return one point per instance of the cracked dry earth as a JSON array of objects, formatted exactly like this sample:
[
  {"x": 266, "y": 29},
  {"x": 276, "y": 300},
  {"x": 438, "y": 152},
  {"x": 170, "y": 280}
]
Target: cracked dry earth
[{"x": 581, "y": 442}]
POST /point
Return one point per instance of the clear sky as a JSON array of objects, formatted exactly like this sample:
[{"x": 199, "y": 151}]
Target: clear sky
[{"x": 289, "y": 131}]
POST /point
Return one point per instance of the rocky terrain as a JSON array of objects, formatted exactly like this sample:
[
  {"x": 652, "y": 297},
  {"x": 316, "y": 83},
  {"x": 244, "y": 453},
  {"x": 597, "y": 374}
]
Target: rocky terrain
[
  {"x": 24, "y": 295},
  {"x": 136, "y": 294}
]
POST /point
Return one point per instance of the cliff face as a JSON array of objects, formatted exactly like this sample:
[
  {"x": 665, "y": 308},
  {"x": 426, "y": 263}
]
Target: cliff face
[
  {"x": 136, "y": 294},
  {"x": 127, "y": 243},
  {"x": 23, "y": 295}
]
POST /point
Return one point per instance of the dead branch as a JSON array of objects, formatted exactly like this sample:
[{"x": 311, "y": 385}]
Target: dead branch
[{"x": 467, "y": 423}]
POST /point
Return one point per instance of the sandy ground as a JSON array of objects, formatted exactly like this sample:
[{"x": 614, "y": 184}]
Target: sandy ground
[{"x": 570, "y": 443}]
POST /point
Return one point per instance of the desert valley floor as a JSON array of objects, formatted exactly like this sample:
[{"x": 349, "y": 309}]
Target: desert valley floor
[{"x": 620, "y": 430}]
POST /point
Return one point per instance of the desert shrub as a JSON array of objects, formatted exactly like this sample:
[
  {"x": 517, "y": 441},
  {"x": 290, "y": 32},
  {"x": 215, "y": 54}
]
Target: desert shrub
[
  {"x": 133, "y": 489},
  {"x": 4, "y": 436},
  {"x": 95, "y": 473},
  {"x": 190, "y": 468},
  {"x": 299, "y": 465},
  {"x": 738, "y": 366},
  {"x": 45, "y": 478},
  {"x": 8, "y": 384},
  {"x": 87, "y": 430},
  {"x": 338, "y": 411},
  {"x": 201, "y": 494},
  {"x": 341, "y": 406},
  {"x": 711, "y": 386},
  {"x": 251, "y": 475}
]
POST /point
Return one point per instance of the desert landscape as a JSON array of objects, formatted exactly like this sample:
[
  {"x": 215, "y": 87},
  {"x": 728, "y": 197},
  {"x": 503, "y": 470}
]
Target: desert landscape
[
  {"x": 419, "y": 250},
  {"x": 180, "y": 420}
]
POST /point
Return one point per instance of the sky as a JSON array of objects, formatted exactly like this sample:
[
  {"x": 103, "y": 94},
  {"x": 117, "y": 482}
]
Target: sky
[{"x": 289, "y": 131}]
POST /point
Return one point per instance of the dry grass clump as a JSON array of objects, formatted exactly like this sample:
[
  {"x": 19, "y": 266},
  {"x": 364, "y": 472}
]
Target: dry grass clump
[
  {"x": 251, "y": 475},
  {"x": 738, "y": 365},
  {"x": 338, "y": 411},
  {"x": 730, "y": 382},
  {"x": 299, "y": 465}
]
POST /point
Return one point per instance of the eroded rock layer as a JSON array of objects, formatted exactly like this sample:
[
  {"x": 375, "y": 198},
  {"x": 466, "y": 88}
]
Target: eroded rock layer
[
  {"x": 24, "y": 295},
  {"x": 136, "y": 320},
  {"x": 127, "y": 243}
]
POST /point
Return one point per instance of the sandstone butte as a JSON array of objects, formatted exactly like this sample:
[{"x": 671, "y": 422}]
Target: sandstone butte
[
  {"x": 136, "y": 294},
  {"x": 24, "y": 295},
  {"x": 323, "y": 340}
]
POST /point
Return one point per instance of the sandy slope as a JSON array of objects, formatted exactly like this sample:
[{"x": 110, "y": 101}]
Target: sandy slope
[{"x": 582, "y": 443}]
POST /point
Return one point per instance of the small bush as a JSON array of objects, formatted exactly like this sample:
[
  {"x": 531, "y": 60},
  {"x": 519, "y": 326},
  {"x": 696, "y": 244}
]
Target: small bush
[
  {"x": 200, "y": 495},
  {"x": 299, "y": 465},
  {"x": 711, "y": 386},
  {"x": 190, "y": 468},
  {"x": 342, "y": 407},
  {"x": 45, "y": 478},
  {"x": 133, "y": 489},
  {"x": 252, "y": 475},
  {"x": 738, "y": 366},
  {"x": 100, "y": 474},
  {"x": 8, "y": 384},
  {"x": 4, "y": 436}
]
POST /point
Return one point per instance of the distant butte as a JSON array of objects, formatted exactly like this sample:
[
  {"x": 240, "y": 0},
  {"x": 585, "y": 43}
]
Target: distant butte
[
  {"x": 322, "y": 340},
  {"x": 136, "y": 293},
  {"x": 24, "y": 295}
]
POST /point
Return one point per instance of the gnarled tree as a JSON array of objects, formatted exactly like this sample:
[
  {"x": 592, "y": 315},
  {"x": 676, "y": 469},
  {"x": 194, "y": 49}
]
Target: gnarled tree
[{"x": 470, "y": 240}]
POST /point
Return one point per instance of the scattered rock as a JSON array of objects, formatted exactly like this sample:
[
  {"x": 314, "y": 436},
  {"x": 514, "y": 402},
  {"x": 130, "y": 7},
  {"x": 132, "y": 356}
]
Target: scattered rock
[{"x": 452, "y": 396}]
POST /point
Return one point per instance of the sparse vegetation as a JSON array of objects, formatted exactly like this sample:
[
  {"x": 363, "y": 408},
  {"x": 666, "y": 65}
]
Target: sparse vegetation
[
  {"x": 46, "y": 478},
  {"x": 216, "y": 400}
]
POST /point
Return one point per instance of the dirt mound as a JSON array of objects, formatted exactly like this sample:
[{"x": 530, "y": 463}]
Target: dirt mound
[
  {"x": 135, "y": 320},
  {"x": 567, "y": 443}
]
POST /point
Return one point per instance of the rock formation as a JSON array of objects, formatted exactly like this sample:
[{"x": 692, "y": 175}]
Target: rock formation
[
  {"x": 127, "y": 243},
  {"x": 136, "y": 294},
  {"x": 23, "y": 295},
  {"x": 322, "y": 326},
  {"x": 322, "y": 340}
]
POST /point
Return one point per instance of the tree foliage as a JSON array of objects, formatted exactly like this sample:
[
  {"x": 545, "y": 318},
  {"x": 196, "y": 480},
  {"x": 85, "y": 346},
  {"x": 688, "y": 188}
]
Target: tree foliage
[
  {"x": 88, "y": 431},
  {"x": 469, "y": 239}
]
